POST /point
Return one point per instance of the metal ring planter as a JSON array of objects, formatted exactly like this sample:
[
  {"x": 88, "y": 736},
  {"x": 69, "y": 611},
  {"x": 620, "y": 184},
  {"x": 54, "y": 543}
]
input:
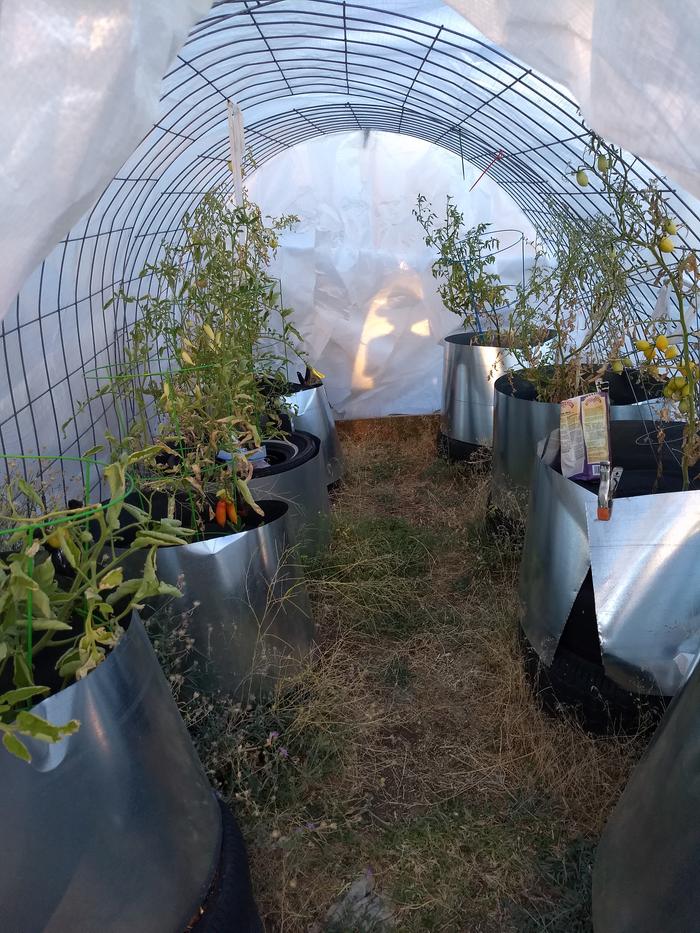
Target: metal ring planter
[
  {"x": 301, "y": 483},
  {"x": 646, "y": 867},
  {"x": 647, "y": 610},
  {"x": 115, "y": 827},
  {"x": 244, "y": 605},
  {"x": 469, "y": 373},
  {"x": 311, "y": 412},
  {"x": 518, "y": 426}
]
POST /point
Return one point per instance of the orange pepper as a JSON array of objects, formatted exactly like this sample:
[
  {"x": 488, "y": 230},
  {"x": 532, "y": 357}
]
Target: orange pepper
[{"x": 220, "y": 514}]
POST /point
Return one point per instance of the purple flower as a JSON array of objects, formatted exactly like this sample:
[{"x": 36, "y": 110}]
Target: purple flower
[{"x": 284, "y": 753}]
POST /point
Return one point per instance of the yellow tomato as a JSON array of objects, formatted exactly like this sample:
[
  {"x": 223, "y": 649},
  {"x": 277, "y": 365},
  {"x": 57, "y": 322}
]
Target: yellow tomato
[
  {"x": 666, "y": 244},
  {"x": 642, "y": 344},
  {"x": 602, "y": 163},
  {"x": 661, "y": 342},
  {"x": 581, "y": 178},
  {"x": 671, "y": 352}
]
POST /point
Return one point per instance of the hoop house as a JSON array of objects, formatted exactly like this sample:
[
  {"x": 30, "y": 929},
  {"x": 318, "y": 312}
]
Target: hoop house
[{"x": 292, "y": 143}]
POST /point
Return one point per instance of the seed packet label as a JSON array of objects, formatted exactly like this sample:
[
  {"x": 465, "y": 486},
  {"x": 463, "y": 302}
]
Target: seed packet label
[
  {"x": 584, "y": 434},
  {"x": 573, "y": 451},
  {"x": 594, "y": 418}
]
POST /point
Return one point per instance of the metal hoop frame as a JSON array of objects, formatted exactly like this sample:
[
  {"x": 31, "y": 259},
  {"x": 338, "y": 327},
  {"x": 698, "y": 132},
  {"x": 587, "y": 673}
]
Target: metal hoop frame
[{"x": 298, "y": 70}]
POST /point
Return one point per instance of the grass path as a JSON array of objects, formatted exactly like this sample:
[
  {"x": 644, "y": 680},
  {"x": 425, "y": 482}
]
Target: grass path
[{"x": 411, "y": 757}]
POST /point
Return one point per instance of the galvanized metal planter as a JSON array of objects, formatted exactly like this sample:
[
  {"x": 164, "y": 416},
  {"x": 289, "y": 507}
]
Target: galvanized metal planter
[
  {"x": 244, "y": 605},
  {"x": 469, "y": 373},
  {"x": 311, "y": 412},
  {"x": 648, "y": 859},
  {"x": 305, "y": 489},
  {"x": 518, "y": 425},
  {"x": 114, "y": 828},
  {"x": 642, "y": 562}
]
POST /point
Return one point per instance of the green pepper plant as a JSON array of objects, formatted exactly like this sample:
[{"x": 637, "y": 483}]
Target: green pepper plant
[
  {"x": 68, "y": 585},
  {"x": 208, "y": 349}
]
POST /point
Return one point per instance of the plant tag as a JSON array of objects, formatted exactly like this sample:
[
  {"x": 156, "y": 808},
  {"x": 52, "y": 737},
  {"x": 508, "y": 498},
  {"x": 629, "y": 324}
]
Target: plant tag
[
  {"x": 585, "y": 435},
  {"x": 594, "y": 418},
  {"x": 573, "y": 451}
]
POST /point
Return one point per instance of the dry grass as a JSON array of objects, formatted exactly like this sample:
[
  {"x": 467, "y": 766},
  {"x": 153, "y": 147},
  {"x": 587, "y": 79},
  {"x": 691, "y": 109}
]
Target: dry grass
[{"x": 413, "y": 746}]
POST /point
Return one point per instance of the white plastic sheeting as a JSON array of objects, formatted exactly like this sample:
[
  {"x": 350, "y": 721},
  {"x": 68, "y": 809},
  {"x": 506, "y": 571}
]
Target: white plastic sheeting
[
  {"x": 298, "y": 69},
  {"x": 633, "y": 66},
  {"x": 357, "y": 271},
  {"x": 80, "y": 86}
]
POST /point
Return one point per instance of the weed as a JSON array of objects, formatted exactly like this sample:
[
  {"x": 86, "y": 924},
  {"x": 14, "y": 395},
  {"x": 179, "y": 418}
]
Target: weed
[
  {"x": 567, "y": 882},
  {"x": 383, "y": 470}
]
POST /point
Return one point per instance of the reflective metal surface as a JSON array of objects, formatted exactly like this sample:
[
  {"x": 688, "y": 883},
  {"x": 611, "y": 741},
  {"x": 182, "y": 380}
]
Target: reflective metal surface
[
  {"x": 311, "y": 411},
  {"x": 305, "y": 489},
  {"x": 469, "y": 373},
  {"x": 244, "y": 605},
  {"x": 114, "y": 828},
  {"x": 644, "y": 561},
  {"x": 645, "y": 878},
  {"x": 518, "y": 425},
  {"x": 555, "y": 557}
]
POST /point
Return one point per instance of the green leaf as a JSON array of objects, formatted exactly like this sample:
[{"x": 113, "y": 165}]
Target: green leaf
[
  {"x": 94, "y": 450},
  {"x": 151, "y": 538},
  {"x": 50, "y": 625},
  {"x": 127, "y": 588},
  {"x": 22, "y": 676},
  {"x": 15, "y": 747},
  {"x": 38, "y": 728},
  {"x": 112, "y": 579},
  {"x": 29, "y": 491},
  {"x": 70, "y": 550},
  {"x": 41, "y": 603},
  {"x": 167, "y": 589},
  {"x": 145, "y": 454},
  {"x": 69, "y": 668},
  {"x": 44, "y": 574},
  {"x": 137, "y": 513},
  {"x": 248, "y": 496},
  {"x": 20, "y": 580},
  {"x": 22, "y": 694}
]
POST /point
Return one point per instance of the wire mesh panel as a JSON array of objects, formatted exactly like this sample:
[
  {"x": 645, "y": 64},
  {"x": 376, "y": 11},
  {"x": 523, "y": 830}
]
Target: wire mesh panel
[{"x": 297, "y": 70}]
